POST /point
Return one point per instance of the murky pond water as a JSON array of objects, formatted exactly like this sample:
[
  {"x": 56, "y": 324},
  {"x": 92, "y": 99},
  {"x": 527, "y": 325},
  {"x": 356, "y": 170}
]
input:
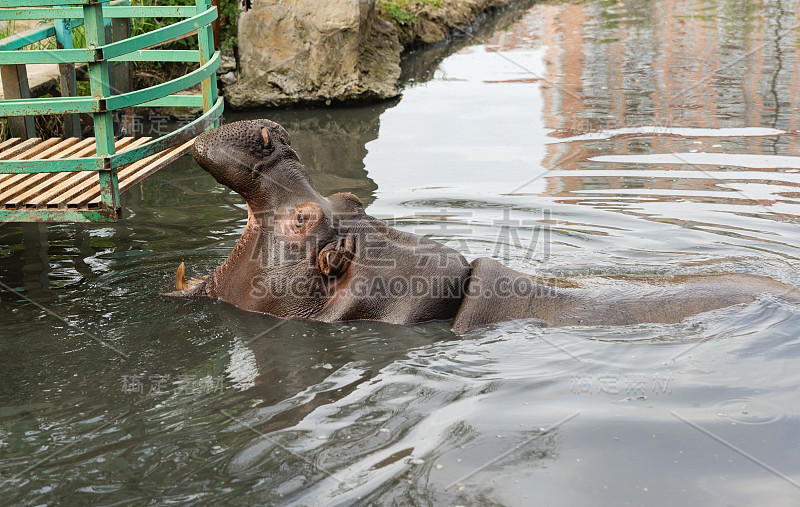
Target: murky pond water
[{"x": 566, "y": 139}]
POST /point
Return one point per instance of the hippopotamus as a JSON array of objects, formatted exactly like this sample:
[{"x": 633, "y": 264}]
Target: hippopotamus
[{"x": 306, "y": 256}]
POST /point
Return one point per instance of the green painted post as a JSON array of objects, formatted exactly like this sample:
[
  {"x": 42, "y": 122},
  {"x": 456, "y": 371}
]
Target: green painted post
[
  {"x": 101, "y": 89},
  {"x": 69, "y": 87},
  {"x": 205, "y": 39},
  {"x": 99, "y": 54}
]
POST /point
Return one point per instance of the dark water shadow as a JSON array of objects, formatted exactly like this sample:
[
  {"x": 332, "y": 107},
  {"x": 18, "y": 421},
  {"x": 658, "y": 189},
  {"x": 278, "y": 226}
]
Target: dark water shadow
[{"x": 331, "y": 143}]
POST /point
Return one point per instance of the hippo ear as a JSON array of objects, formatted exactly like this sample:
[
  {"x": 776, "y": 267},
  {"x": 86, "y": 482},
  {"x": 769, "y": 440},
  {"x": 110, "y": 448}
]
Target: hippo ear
[
  {"x": 265, "y": 136},
  {"x": 346, "y": 199},
  {"x": 333, "y": 262}
]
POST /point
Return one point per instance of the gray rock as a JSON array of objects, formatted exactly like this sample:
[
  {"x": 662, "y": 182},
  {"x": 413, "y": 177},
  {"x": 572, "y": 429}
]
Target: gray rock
[
  {"x": 228, "y": 78},
  {"x": 309, "y": 51}
]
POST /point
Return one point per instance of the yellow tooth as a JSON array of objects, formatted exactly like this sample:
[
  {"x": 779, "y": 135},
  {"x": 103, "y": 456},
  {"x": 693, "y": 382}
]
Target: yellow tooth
[{"x": 180, "y": 278}]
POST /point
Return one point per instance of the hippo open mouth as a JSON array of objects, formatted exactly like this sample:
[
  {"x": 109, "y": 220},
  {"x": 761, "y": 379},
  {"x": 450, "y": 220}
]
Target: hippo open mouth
[
  {"x": 307, "y": 256},
  {"x": 323, "y": 258}
]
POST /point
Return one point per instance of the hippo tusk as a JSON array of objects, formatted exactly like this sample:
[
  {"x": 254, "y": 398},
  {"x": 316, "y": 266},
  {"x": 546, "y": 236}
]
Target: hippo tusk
[
  {"x": 180, "y": 278},
  {"x": 185, "y": 288}
]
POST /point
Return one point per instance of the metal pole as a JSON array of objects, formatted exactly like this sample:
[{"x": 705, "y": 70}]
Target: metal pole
[
  {"x": 101, "y": 89},
  {"x": 205, "y": 39}
]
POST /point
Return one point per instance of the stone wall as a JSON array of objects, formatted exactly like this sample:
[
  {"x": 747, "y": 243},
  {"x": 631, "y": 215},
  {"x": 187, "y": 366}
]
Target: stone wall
[
  {"x": 313, "y": 51},
  {"x": 436, "y": 21}
]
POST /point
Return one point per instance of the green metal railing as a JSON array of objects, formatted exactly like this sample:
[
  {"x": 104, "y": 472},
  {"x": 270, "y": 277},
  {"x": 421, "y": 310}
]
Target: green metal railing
[{"x": 98, "y": 55}]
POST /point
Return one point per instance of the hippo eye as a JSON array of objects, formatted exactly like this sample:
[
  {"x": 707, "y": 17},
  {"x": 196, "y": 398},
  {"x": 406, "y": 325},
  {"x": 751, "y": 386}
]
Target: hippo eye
[{"x": 298, "y": 220}]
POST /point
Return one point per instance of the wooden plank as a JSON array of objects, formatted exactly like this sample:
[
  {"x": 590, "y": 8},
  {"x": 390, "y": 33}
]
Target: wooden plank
[
  {"x": 88, "y": 150},
  {"x": 62, "y": 150},
  {"x": 19, "y": 148},
  {"x": 51, "y": 186},
  {"x": 22, "y": 182},
  {"x": 9, "y": 142},
  {"x": 38, "y": 148},
  {"x": 67, "y": 196},
  {"x": 78, "y": 147},
  {"x": 22, "y": 193},
  {"x": 15, "y": 86},
  {"x": 69, "y": 183},
  {"x": 29, "y": 153},
  {"x": 76, "y": 191},
  {"x": 78, "y": 183},
  {"x": 33, "y": 185},
  {"x": 131, "y": 174},
  {"x": 58, "y": 149},
  {"x": 9, "y": 180}
]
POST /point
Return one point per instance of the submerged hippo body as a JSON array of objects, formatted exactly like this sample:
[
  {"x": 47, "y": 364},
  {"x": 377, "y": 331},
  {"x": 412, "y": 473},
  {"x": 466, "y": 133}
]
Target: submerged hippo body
[{"x": 303, "y": 255}]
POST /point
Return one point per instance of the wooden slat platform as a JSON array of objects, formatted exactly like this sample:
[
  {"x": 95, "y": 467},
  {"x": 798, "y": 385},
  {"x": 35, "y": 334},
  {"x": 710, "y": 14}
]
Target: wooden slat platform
[{"x": 71, "y": 190}]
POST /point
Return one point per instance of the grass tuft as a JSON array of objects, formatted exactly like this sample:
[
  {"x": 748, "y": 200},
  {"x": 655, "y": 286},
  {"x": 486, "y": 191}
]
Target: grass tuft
[{"x": 403, "y": 12}]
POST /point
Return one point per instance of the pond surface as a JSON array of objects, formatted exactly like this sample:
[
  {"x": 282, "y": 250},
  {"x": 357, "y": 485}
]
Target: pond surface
[{"x": 603, "y": 138}]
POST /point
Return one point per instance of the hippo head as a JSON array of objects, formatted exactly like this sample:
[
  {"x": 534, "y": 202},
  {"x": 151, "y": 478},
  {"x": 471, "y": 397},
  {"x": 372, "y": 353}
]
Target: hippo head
[
  {"x": 254, "y": 159},
  {"x": 323, "y": 258}
]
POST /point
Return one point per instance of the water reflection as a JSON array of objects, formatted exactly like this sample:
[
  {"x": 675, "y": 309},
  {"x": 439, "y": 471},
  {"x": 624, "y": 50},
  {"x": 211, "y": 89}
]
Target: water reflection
[
  {"x": 331, "y": 144},
  {"x": 368, "y": 428},
  {"x": 419, "y": 66},
  {"x": 625, "y": 64},
  {"x": 677, "y": 113}
]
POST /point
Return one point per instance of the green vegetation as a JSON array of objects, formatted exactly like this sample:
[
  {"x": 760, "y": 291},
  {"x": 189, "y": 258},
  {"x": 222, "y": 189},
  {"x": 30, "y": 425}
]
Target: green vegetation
[
  {"x": 403, "y": 12},
  {"x": 8, "y": 28},
  {"x": 144, "y": 25},
  {"x": 146, "y": 73},
  {"x": 150, "y": 73},
  {"x": 228, "y": 17}
]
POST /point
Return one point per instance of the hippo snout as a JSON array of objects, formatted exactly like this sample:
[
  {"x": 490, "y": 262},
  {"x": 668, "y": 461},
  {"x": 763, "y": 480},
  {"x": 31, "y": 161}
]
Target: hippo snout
[
  {"x": 254, "y": 159},
  {"x": 200, "y": 143}
]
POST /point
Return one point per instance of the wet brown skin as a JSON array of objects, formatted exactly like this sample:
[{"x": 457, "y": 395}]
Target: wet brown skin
[
  {"x": 303, "y": 255},
  {"x": 497, "y": 293}
]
